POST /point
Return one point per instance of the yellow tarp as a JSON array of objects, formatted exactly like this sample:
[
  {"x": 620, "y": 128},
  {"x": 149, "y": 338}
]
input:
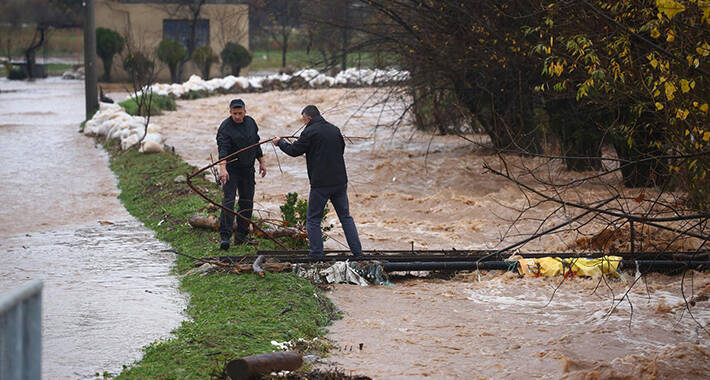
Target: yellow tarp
[{"x": 555, "y": 266}]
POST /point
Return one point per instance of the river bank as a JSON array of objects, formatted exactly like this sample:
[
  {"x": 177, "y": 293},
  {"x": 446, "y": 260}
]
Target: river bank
[
  {"x": 408, "y": 187},
  {"x": 229, "y": 315},
  {"x": 108, "y": 290}
]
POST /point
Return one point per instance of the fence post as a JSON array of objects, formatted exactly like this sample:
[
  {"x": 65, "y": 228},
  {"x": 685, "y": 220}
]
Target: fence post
[{"x": 21, "y": 332}]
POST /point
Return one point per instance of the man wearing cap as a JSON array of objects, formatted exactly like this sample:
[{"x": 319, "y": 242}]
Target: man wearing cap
[
  {"x": 323, "y": 145},
  {"x": 236, "y": 174}
]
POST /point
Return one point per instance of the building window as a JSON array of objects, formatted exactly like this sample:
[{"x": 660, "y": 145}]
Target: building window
[{"x": 180, "y": 30}]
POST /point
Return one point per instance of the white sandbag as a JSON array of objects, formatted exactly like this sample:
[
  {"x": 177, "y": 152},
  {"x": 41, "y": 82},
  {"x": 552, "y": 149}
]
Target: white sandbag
[{"x": 150, "y": 147}]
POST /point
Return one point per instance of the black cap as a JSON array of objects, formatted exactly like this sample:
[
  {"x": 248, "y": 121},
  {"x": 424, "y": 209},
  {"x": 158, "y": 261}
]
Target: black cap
[{"x": 236, "y": 103}]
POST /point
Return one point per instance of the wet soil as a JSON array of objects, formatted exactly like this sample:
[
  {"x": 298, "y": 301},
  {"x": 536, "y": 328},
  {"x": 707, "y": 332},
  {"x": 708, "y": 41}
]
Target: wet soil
[
  {"x": 107, "y": 287},
  {"x": 408, "y": 187}
]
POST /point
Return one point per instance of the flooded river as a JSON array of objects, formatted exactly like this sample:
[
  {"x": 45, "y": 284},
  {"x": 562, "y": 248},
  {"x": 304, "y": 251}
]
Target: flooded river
[
  {"x": 107, "y": 287},
  {"x": 409, "y": 188}
]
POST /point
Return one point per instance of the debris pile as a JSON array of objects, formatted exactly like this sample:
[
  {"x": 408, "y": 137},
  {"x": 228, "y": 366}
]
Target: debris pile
[
  {"x": 343, "y": 272},
  {"x": 111, "y": 122}
]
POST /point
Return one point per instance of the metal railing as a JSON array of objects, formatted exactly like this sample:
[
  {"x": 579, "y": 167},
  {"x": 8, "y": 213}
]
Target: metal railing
[{"x": 21, "y": 332}]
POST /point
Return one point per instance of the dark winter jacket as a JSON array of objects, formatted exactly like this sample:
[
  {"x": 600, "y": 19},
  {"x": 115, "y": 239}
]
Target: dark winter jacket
[
  {"x": 324, "y": 146},
  {"x": 232, "y": 137}
]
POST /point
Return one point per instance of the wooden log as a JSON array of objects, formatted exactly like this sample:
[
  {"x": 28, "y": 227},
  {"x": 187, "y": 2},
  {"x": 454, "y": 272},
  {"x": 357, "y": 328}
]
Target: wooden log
[
  {"x": 254, "y": 366},
  {"x": 204, "y": 221},
  {"x": 284, "y": 231},
  {"x": 211, "y": 222},
  {"x": 268, "y": 267}
]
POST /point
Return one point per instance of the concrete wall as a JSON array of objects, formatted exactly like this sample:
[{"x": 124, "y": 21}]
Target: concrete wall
[{"x": 142, "y": 26}]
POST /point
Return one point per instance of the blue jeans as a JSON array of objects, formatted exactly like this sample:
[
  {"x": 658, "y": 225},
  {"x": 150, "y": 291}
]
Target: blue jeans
[{"x": 317, "y": 199}]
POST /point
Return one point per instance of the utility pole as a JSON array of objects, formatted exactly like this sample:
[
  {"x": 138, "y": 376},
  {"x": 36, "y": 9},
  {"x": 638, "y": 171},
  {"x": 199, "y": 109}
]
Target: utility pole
[{"x": 90, "y": 78}]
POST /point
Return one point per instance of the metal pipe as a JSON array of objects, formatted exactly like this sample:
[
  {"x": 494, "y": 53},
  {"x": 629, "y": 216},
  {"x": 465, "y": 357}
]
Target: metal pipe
[
  {"x": 448, "y": 265},
  {"x": 644, "y": 266},
  {"x": 254, "y": 366}
]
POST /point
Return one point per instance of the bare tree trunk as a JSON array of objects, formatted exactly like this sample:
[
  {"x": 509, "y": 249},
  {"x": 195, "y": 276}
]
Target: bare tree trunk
[
  {"x": 30, "y": 52},
  {"x": 284, "y": 48}
]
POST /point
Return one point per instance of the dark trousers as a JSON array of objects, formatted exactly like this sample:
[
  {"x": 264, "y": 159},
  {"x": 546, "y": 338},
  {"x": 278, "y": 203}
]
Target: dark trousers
[
  {"x": 317, "y": 199},
  {"x": 241, "y": 181}
]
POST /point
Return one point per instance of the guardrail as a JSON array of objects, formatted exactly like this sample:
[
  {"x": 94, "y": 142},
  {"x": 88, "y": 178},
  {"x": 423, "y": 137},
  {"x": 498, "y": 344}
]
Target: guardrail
[{"x": 21, "y": 332}]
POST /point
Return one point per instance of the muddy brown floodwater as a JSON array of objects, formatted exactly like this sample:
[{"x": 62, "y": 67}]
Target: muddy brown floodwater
[
  {"x": 107, "y": 287},
  {"x": 406, "y": 187}
]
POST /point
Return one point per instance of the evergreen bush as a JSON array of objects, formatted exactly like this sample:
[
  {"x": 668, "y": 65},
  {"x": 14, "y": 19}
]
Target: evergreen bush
[
  {"x": 108, "y": 44},
  {"x": 171, "y": 52},
  {"x": 235, "y": 56}
]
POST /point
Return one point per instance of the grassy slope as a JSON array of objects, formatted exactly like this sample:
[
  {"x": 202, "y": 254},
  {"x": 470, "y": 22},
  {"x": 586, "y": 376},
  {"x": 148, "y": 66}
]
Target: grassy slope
[{"x": 230, "y": 315}]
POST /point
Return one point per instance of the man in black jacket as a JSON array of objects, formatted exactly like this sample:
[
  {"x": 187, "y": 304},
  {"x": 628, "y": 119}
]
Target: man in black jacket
[
  {"x": 324, "y": 146},
  {"x": 236, "y": 132}
]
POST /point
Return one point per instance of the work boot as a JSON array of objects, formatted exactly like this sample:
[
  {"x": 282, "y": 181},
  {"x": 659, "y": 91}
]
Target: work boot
[
  {"x": 224, "y": 245},
  {"x": 316, "y": 256},
  {"x": 239, "y": 240}
]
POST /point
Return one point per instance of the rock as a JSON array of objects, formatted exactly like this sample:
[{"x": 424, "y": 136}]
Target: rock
[{"x": 180, "y": 179}]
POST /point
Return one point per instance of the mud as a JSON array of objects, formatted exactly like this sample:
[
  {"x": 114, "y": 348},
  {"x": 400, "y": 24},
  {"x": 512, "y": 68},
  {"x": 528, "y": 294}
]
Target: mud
[
  {"x": 408, "y": 187},
  {"x": 107, "y": 287}
]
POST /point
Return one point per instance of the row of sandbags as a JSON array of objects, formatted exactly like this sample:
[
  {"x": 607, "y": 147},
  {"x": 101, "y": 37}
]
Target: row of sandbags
[
  {"x": 307, "y": 77},
  {"x": 111, "y": 122}
]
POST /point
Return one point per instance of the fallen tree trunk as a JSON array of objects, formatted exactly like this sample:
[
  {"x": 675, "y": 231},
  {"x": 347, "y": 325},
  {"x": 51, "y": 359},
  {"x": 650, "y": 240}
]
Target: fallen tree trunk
[
  {"x": 253, "y": 366},
  {"x": 211, "y": 222},
  {"x": 204, "y": 221},
  {"x": 268, "y": 267},
  {"x": 284, "y": 232}
]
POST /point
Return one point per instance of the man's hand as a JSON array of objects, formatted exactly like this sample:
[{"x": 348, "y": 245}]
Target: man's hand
[
  {"x": 275, "y": 140},
  {"x": 223, "y": 175},
  {"x": 262, "y": 170}
]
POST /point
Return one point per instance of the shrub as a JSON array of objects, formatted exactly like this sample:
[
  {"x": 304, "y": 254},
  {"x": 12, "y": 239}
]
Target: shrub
[
  {"x": 157, "y": 104},
  {"x": 195, "y": 94},
  {"x": 204, "y": 57},
  {"x": 235, "y": 56},
  {"x": 16, "y": 73},
  {"x": 293, "y": 214},
  {"x": 171, "y": 52},
  {"x": 108, "y": 44},
  {"x": 139, "y": 67}
]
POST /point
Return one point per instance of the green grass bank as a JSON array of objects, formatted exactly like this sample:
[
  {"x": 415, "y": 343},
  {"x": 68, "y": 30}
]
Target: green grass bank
[{"x": 228, "y": 316}]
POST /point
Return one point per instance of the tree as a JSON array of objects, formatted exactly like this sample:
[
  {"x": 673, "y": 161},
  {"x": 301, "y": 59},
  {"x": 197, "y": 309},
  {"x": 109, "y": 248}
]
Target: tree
[
  {"x": 644, "y": 63},
  {"x": 190, "y": 10},
  {"x": 235, "y": 56},
  {"x": 473, "y": 51},
  {"x": 108, "y": 44},
  {"x": 279, "y": 18},
  {"x": 41, "y": 15},
  {"x": 141, "y": 69},
  {"x": 332, "y": 27},
  {"x": 171, "y": 52},
  {"x": 204, "y": 57}
]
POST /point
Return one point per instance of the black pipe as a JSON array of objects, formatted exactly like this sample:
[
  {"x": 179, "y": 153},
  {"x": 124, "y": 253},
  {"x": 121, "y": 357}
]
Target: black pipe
[
  {"x": 448, "y": 265},
  {"x": 644, "y": 266},
  {"x": 441, "y": 255}
]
